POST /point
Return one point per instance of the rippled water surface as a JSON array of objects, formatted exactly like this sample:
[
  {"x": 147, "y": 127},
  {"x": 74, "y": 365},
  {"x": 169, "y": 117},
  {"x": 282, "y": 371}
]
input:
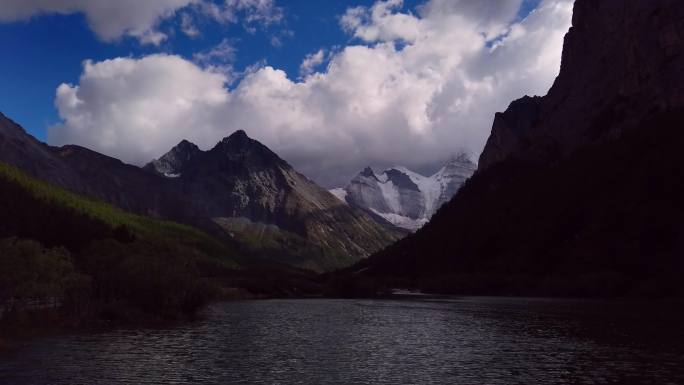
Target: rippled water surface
[{"x": 454, "y": 341}]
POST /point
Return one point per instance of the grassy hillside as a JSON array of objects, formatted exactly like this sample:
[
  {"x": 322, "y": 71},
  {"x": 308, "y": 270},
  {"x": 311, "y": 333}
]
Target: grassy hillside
[
  {"x": 113, "y": 217},
  {"x": 90, "y": 257}
]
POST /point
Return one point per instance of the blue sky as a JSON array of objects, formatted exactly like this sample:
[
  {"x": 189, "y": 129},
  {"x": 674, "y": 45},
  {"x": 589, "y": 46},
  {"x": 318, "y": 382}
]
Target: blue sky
[
  {"x": 409, "y": 82},
  {"x": 47, "y": 50}
]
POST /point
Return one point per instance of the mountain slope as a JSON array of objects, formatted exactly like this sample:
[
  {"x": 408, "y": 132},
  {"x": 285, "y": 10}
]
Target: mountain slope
[
  {"x": 404, "y": 198},
  {"x": 578, "y": 192},
  {"x": 236, "y": 191},
  {"x": 261, "y": 200},
  {"x": 90, "y": 173}
]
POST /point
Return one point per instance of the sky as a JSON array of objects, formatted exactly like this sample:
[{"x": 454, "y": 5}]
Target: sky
[{"x": 331, "y": 86}]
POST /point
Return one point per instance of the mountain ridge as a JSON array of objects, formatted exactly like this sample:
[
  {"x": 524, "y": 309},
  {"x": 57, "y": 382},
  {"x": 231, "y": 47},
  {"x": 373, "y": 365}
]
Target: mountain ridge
[
  {"x": 402, "y": 197},
  {"x": 239, "y": 178}
]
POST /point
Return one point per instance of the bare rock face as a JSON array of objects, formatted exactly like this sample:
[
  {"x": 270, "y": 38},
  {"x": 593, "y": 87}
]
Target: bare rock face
[{"x": 622, "y": 61}]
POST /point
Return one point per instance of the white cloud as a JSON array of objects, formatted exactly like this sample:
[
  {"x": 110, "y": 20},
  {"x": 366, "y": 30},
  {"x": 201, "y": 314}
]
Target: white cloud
[
  {"x": 137, "y": 109},
  {"x": 381, "y": 22},
  {"x": 263, "y": 12},
  {"x": 311, "y": 61},
  {"x": 257, "y": 11},
  {"x": 188, "y": 25},
  {"x": 219, "y": 59},
  {"x": 113, "y": 19},
  {"x": 109, "y": 19},
  {"x": 418, "y": 90}
]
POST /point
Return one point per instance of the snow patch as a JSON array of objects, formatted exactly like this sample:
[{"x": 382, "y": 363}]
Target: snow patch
[
  {"x": 340, "y": 194},
  {"x": 402, "y": 221}
]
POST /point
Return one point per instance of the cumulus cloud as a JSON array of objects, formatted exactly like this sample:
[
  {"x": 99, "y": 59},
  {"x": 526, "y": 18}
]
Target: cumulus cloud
[
  {"x": 135, "y": 109},
  {"x": 311, "y": 61},
  {"x": 381, "y": 22},
  {"x": 219, "y": 59},
  {"x": 113, "y": 19},
  {"x": 110, "y": 20},
  {"x": 419, "y": 88}
]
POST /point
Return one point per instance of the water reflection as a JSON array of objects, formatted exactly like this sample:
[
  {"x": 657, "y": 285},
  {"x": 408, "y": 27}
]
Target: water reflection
[{"x": 455, "y": 341}]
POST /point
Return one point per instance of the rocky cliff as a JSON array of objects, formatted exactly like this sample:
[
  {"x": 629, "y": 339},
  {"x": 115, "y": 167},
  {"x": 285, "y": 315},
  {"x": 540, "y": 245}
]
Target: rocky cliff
[
  {"x": 622, "y": 61},
  {"x": 577, "y": 192}
]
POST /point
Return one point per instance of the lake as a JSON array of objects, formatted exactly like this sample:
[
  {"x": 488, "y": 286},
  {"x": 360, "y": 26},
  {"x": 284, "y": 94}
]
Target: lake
[{"x": 408, "y": 341}]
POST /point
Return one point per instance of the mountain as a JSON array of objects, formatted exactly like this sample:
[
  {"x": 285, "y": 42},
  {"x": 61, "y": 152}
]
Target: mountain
[
  {"x": 171, "y": 164},
  {"x": 260, "y": 200},
  {"x": 402, "y": 197},
  {"x": 577, "y": 192},
  {"x": 88, "y": 172},
  {"x": 239, "y": 191}
]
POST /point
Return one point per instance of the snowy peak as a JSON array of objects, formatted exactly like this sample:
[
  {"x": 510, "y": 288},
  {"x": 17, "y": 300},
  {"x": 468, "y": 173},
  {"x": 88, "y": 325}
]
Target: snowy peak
[{"x": 403, "y": 197}]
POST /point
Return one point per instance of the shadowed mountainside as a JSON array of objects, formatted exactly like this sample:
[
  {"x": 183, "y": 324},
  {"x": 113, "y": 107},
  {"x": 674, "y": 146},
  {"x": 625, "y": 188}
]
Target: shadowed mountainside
[{"x": 577, "y": 192}]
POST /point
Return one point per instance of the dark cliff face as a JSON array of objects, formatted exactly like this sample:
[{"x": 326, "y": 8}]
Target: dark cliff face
[
  {"x": 622, "y": 62},
  {"x": 577, "y": 192}
]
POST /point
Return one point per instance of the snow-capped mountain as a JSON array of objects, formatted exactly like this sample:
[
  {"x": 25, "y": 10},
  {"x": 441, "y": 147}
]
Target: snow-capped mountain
[{"x": 405, "y": 198}]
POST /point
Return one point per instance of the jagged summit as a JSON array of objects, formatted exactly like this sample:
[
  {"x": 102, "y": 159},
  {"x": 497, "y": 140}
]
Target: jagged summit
[
  {"x": 405, "y": 198},
  {"x": 185, "y": 143},
  {"x": 239, "y": 134},
  {"x": 172, "y": 164},
  {"x": 238, "y": 147}
]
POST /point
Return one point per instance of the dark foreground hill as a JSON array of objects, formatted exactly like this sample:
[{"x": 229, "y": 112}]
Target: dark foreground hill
[{"x": 578, "y": 192}]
